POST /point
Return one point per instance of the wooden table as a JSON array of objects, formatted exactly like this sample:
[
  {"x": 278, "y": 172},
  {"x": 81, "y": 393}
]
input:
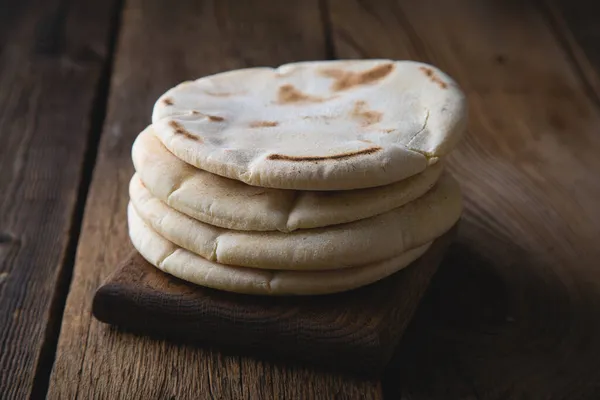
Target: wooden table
[{"x": 514, "y": 312}]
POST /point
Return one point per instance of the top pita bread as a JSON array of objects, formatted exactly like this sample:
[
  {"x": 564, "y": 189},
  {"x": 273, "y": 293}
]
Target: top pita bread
[
  {"x": 326, "y": 125},
  {"x": 232, "y": 204}
]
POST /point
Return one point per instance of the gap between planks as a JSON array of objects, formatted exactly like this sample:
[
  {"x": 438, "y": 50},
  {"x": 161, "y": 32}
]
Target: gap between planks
[
  {"x": 99, "y": 105},
  {"x": 565, "y": 37}
]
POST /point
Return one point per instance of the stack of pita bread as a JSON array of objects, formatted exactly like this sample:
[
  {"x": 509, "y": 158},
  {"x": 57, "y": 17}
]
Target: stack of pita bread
[{"x": 310, "y": 178}]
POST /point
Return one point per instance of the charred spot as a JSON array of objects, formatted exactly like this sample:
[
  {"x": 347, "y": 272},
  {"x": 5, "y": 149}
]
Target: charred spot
[
  {"x": 427, "y": 71},
  {"x": 289, "y": 94},
  {"x": 441, "y": 83},
  {"x": 180, "y": 130},
  {"x": 434, "y": 78},
  {"x": 345, "y": 80},
  {"x": 263, "y": 124},
  {"x": 366, "y": 117},
  {"x": 167, "y": 101},
  {"x": 213, "y": 118},
  {"x": 341, "y": 156},
  {"x": 376, "y": 73}
]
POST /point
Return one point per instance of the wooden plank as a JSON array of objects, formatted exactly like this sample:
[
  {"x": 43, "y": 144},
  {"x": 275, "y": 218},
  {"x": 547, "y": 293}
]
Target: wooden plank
[
  {"x": 53, "y": 56},
  {"x": 160, "y": 46},
  {"x": 577, "y": 28},
  {"x": 517, "y": 312}
]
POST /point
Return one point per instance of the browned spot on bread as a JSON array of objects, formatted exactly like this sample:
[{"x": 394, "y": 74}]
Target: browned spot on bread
[
  {"x": 389, "y": 130},
  {"x": 180, "y": 130},
  {"x": 219, "y": 94},
  {"x": 289, "y": 94},
  {"x": 434, "y": 78},
  {"x": 345, "y": 80},
  {"x": 427, "y": 71},
  {"x": 341, "y": 156},
  {"x": 263, "y": 124},
  {"x": 366, "y": 117},
  {"x": 213, "y": 118},
  {"x": 167, "y": 101},
  {"x": 324, "y": 117}
]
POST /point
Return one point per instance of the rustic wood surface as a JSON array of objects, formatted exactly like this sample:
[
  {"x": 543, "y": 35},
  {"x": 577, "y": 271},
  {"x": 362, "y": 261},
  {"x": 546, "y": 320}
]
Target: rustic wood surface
[
  {"x": 512, "y": 313},
  {"x": 578, "y": 30},
  {"x": 94, "y": 361},
  {"x": 53, "y": 58},
  {"x": 355, "y": 331},
  {"x": 517, "y": 312}
]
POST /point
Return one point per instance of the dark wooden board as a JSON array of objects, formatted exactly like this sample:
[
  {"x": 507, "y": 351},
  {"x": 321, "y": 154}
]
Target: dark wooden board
[
  {"x": 53, "y": 59},
  {"x": 355, "y": 331},
  {"x": 513, "y": 312},
  {"x": 160, "y": 44}
]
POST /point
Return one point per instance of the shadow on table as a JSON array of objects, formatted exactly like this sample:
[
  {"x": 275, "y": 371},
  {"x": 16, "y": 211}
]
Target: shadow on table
[{"x": 498, "y": 322}]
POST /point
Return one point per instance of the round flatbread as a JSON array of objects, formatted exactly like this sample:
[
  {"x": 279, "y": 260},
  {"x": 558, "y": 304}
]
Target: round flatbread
[
  {"x": 192, "y": 268},
  {"x": 340, "y": 246},
  {"x": 232, "y": 204},
  {"x": 326, "y": 125}
]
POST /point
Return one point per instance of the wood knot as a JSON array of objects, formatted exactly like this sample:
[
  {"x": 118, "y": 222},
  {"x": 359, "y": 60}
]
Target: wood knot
[{"x": 6, "y": 238}]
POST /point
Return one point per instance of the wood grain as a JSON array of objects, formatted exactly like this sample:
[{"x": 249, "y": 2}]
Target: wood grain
[
  {"x": 355, "y": 331},
  {"x": 53, "y": 56},
  {"x": 577, "y": 28},
  {"x": 160, "y": 46},
  {"x": 514, "y": 312}
]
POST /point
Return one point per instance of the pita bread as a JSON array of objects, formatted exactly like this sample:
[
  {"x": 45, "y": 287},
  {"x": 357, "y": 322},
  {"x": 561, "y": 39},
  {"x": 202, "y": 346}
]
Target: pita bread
[
  {"x": 232, "y": 204},
  {"x": 192, "y": 268},
  {"x": 340, "y": 246},
  {"x": 326, "y": 125}
]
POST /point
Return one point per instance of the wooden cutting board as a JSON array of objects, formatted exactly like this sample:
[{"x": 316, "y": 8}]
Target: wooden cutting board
[{"x": 355, "y": 331}]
